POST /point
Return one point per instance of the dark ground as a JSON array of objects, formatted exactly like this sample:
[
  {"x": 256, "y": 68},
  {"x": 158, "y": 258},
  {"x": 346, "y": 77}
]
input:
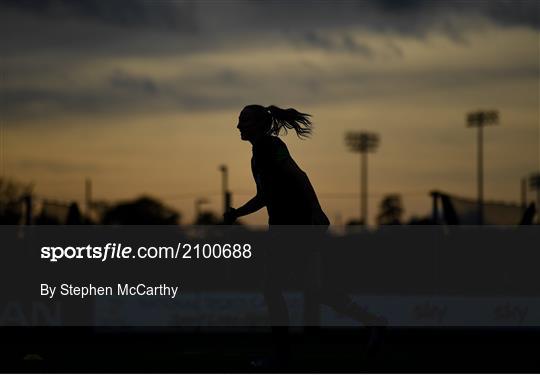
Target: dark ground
[{"x": 330, "y": 350}]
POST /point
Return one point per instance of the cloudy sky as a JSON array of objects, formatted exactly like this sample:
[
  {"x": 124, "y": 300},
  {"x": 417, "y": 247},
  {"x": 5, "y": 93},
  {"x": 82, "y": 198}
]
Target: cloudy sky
[{"x": 143, "y": 96}]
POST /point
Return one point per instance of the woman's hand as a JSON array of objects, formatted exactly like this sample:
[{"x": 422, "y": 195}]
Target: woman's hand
[{"x": 230, "y": 216}]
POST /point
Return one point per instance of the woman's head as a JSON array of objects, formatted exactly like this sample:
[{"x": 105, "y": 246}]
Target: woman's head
[{"x": 256, "y": 121}]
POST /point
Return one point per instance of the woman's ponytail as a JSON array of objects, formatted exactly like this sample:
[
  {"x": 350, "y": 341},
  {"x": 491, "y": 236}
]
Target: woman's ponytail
[{"x": 287, "y": 119}]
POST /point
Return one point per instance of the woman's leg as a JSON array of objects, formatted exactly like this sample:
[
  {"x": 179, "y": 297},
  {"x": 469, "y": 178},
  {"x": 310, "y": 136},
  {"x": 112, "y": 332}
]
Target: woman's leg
[
  {"x": 277, "y": 307},
  {"x": 344, "y": 304},
  {"x": 279, "y": 320}
]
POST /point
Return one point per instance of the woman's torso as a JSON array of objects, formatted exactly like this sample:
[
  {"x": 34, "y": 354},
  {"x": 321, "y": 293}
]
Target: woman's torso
[{"x": 285, "y": 188}]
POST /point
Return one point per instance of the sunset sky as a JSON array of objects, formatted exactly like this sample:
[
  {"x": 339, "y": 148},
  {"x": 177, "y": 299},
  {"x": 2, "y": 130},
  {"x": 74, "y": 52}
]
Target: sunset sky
[{"x": 143, "y": 96}]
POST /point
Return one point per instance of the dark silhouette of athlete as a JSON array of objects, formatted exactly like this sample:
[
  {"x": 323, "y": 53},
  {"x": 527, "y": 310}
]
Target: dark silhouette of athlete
[
  {"x": 282, "y": 186},
  {"x": 285, "y": 190}
]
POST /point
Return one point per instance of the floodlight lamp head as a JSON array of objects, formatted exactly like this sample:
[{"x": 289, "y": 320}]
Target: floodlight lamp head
[
  {"x": 362, "y": 141},
  {"x": 482, "y": 118}
]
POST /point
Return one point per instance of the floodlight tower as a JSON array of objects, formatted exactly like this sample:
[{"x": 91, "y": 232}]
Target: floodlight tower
[
  {"x": 534, "y": 184},
  {"x": 478, "y": 120},
  {"x": 363, "y": 143},
  {"x": 225, "y": 187}
]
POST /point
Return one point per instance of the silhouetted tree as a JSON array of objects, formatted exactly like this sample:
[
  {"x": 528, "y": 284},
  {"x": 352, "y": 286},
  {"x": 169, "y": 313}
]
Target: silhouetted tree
[
  {"x": 74, "y": 216},
  {"x": 12, "y": 194},
  {"x": 417, "y": 220},
  {"x": 390, "y": 210},
  {"x": 144, "y": 210},
  {"x": 207, "y": 218},
  {"x": 58, "y": 213},
  {"x": 45, "y": 219}
]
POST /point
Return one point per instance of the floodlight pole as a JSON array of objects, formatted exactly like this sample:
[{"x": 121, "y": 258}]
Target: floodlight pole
[
  {"x": 524, "y": 193},
  {"x": 363, "y": 142},
  {"x": 225, "y": 187},
  {"x": 364, "y": 187},
  {"x": 479, "y": 120},
  {"x": 480, "y": 177},
  {"x": 534, "y": 182},
  {"x": 88, "y": 196},
  {"x": 538, "y": 205}
]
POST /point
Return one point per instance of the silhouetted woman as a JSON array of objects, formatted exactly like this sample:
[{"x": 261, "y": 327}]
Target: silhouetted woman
[
  {"x": 282, "y": 186},
  {"x": 285, "y": 190}
]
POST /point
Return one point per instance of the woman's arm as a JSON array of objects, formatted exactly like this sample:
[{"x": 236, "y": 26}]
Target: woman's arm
[{"x": 254, "y": 204}]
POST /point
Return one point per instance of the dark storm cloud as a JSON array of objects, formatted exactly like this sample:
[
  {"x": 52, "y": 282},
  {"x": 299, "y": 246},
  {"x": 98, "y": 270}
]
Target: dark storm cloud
[
  {"x": 149, "y": 28},
  {"x": 123, "y": 92},
  {"x": 95, "y": 28},
  {"x": 515, "y": 13},
  {"x": 17, "y": 104},
  {"x": 343, "y": 42},
  {"x": 122, "y": 80},
  {"x": 502, "y": 12},
  {"x": 414, "y": 17},
  {"x": 164, "y": 15},
  {"x": 53, "y": 38}
]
